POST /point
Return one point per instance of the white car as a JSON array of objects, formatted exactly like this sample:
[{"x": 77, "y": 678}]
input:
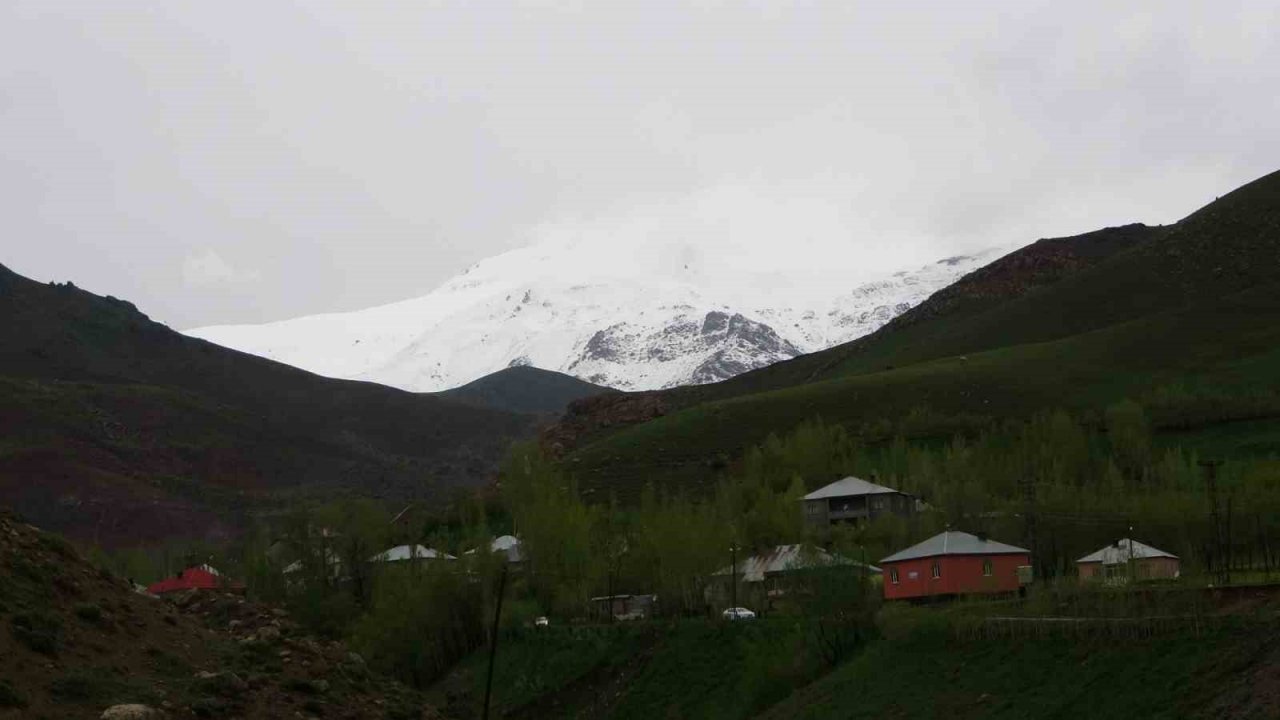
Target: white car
[
  {"x": 738, "y": 613},
  {"x": 541, "y": 622}
]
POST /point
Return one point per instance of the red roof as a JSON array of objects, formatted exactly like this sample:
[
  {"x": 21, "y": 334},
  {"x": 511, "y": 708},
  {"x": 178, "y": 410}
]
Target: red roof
[{"x": 201, "y": 577}]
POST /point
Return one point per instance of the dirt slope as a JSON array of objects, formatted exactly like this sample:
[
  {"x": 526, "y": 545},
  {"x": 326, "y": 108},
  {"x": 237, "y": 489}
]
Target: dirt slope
[{"x": 75, "y": 641}]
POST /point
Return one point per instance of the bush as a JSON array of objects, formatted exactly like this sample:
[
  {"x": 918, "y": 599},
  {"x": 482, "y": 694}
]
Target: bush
[
  {"x": 39, "y": 631},
  {"x": 10, "y": 697},
  {"x": 74, "y": 688},
  {"x": 89, "y": 612},
  {"x": 58, "y": 545},
  {"x": 422, "y": 621}
]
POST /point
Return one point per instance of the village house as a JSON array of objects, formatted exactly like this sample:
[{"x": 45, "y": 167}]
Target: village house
[
  {"x": 1128, "y": 560},
  {"x": 508, "y": 546},
  {"x": 200, "y": 577},
  {"x": 409, "y": 553},
  {"x": 763, "y": 578},
  {"x": 854, "y": 500},
  {"x": 955, "y": 563}
]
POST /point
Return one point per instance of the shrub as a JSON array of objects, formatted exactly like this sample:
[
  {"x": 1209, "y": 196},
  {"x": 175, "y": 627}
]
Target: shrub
[
  {"x": 39, "y": 631},
  {"x": 75, "y": 687},
  {"x": 89, "y": 612},
  {"x": 422, "y": 621},
  {"x": 58, "y": 545},
  {"x": 10, "y": 697}
]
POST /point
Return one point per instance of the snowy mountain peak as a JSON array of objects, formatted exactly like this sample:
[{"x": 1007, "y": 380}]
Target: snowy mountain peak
[{"x": 653, "y": 318}]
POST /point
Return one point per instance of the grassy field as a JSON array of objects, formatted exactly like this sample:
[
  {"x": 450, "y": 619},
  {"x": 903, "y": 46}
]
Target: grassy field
[
  {"x": 929, "y": 674},
  {"x": 690, "y": 668},
  {"x": 920, "y": 667}
]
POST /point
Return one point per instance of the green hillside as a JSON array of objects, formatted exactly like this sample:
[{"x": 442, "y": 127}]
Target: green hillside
[
  {"x": 921, "y": 669},
  {"x": 1210, "y": 674},
  {"x": 1074, "y": 323},
  {"x": 524, "y": 390}
]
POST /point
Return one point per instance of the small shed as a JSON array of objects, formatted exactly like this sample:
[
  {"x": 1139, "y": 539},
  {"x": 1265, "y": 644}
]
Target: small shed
[
  {"x": 954, "y": 563},
  {"x": 1127, "y": 560},
  {"x": 624, "y": 607}
]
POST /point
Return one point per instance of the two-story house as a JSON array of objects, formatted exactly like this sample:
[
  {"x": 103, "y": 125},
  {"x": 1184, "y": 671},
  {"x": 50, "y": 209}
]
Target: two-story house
[{"x": 854, "y": 500}]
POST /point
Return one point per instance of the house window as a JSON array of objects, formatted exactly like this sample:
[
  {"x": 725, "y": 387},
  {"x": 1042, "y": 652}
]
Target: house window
[
  {"x": 986, "y": 568},
  {"x": 893, "y": 575},
  {"x": 937, "y": 570}
]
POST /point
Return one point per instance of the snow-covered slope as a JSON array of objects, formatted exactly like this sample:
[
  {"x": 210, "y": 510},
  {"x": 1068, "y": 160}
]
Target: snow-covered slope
[{"x": 667, "y": 315}]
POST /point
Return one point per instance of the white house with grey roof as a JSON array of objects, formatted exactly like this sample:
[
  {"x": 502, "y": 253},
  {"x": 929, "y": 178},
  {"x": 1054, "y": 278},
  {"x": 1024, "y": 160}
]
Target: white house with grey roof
[
  {"x": 763, "y": 577},
  {"x": 1125, "y": 560},
  {"x": 403, "y": 553},
  {"x": 854, "y": 500}
]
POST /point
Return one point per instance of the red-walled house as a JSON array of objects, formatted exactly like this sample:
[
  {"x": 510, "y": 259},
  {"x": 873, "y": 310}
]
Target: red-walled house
[
  {"x": 201, "y": 577},
  {"x": 953, "y": 563}
]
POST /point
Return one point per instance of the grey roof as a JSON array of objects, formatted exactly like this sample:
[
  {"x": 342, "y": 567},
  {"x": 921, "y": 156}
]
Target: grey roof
[
  {"x": 509, "y": 545},
  {"x": 954, "y": 542},
  {"x": 1123, "y": 551},
  {"x": 401, "y": 553},
  {"x": 849, "y": 486},
  {"x": 783, "y": 558}
]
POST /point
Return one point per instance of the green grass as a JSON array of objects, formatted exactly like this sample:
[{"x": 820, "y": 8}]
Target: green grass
[
  {"x": 532, "y": 664},
  {"x": 691, "y": 668},
  {"x": 714, "y": 670},
  {"x": 918, "y": 668},
  {"x": 931, "y": 675}
]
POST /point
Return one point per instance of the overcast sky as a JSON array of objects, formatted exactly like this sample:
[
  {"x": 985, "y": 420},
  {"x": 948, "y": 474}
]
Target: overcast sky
[{"x": 223, "y": 162}]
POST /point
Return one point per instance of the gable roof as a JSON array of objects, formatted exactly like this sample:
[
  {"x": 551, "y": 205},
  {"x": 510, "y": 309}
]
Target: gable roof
[
  {"x": 847, "y": 487},
  {"x": 954, "y": 542},
  {"x": 783, "y": 558},
  {"x": 407, "y": 552},
  {"x": 199, "y": 577},
  {"x": 1124, "y": 550}
]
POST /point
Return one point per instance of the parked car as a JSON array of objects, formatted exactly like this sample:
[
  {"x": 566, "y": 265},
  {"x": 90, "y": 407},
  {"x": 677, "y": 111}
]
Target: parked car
[
  {"x": 541, "y": 621},
  {"x": 738, "y": 613}
]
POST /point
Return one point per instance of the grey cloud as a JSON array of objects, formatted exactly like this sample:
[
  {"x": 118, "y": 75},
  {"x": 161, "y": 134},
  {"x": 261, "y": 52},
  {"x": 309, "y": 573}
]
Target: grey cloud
[{"x": 336, "y": 155}]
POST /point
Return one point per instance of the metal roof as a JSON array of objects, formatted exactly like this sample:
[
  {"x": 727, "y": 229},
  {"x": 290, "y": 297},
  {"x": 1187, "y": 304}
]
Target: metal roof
[
  {"x": 954, "y": 542},
  {"x": 1123, "y": 551},
  {"x": 506, "y": 544},
  {"x": 407, "y": 552},
  {"x": 783, "y": 558},
  {"x": 847, "y": 487}
]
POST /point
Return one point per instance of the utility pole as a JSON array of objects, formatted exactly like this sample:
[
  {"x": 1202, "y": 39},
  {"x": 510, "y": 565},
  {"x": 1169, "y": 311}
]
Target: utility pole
[
  {"x": 1215, "y": 519},
  {"x": 493, "y": 639},
  {"x": 733, "y": 578},
  {"x": 1029, "y": 520},
  {"x": 1130, "y": 563}
]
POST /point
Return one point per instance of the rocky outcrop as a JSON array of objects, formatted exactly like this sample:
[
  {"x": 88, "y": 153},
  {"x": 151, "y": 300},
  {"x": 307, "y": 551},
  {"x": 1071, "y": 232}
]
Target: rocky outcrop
[
  {"x": 131, "y": 712},
  {"x": 592, "y": 415}
]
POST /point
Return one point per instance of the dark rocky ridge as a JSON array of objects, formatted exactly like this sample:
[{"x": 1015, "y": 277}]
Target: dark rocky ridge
[{"x": 118, "y": 430}]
